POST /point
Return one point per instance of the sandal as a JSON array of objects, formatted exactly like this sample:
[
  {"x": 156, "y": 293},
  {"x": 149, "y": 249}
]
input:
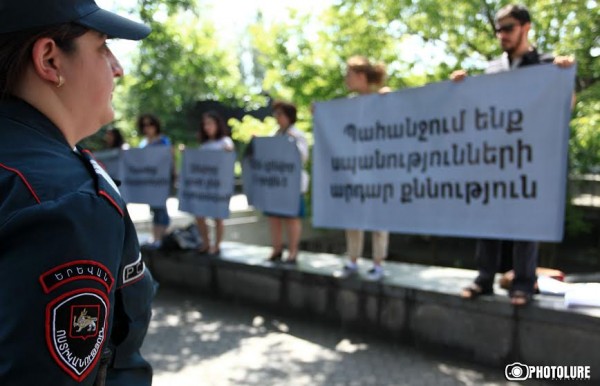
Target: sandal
[
  {"x": 520, "y": 298},
  {"x": 473, "y": 291},
  {"x": 276, "y": 256},
  {"x": 292, "y": 259},
  {"x": 203, "y": 251}
]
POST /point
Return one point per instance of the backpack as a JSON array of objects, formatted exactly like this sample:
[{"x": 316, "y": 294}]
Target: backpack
[{"x": 182, "y": 238}]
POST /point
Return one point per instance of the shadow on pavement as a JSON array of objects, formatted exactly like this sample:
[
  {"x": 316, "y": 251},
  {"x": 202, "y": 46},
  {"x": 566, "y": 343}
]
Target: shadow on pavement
[{"x": 201, "y": 341}]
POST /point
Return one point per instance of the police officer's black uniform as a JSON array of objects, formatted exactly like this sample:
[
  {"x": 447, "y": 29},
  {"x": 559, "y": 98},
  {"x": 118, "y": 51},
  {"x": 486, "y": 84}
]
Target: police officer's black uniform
[{"x": 75, "y": 292}]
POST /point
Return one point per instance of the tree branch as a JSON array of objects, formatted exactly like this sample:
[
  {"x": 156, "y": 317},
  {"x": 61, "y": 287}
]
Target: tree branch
[{"x": 489, "y": 15}]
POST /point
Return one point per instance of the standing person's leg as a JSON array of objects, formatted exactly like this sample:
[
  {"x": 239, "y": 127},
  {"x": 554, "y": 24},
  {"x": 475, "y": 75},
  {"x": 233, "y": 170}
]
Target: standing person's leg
[
  {"x": 354, "y": 244},
  {"x": 294, "y": 232},
  {"x": 158, "y": 232},
  {"x": 203, "y": 229},
  {"x": 219, "y": 232},
  {"x": 160, "y": 222},
  {"x": 487, "y": 256},
  {"x": 525, "y": 259},
  {"x": 380, "y": 241},
  {"x": 275, "y": 226}
]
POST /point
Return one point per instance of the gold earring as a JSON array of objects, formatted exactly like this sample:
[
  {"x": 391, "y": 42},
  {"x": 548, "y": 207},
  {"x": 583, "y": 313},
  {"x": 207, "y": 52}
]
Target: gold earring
[{"x": 61, "y": 81}]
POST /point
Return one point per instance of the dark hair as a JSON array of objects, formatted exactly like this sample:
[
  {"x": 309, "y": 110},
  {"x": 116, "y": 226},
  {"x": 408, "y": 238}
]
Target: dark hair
[
  {"x": 288, "y": 109},
  {"x": 222, "y": 130},
  {"x": 16, "y": 49},
  {"x": 148, "y": 117},
  {"x": 516, "y": 11},
  {"x": 375, "y": 72},
  {"x": 118, "y": 138}
]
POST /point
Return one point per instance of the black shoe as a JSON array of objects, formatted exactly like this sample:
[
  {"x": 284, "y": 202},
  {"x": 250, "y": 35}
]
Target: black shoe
[
  {"x": 276, "y": 257},
  {"x": 292, "y": 259}
]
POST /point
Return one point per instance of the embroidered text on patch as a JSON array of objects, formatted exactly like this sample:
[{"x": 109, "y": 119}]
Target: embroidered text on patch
[
  {"x": 134, "y": 271},
  {"x": 76, "y": 325},
  {"x": 76, "y": 270}
]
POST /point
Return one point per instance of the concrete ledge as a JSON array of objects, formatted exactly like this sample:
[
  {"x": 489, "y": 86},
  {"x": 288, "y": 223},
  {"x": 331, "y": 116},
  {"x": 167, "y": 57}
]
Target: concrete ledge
[{"x": 413, "y": 303}]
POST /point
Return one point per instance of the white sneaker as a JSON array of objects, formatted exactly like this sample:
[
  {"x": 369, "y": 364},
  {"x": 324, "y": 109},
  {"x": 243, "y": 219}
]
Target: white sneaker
[
  {"x": 375, "y": 273},
  {"x": 350, "y": 269}
]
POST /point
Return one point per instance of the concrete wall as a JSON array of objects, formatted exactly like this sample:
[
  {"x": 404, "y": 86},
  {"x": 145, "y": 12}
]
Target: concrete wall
[{"x": 488, "y": 331}]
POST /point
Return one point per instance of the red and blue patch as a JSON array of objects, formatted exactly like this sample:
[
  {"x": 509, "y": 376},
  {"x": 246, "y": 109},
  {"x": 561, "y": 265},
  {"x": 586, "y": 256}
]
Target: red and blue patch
[
  {"x": 77, "y": 321},
  {"x": 76, "y": 329},
  {"x": 77, "y": 270}
]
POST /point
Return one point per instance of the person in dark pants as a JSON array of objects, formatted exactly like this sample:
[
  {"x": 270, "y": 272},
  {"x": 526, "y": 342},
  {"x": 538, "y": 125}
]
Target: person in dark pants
[
  {"x": 75, "y": 296},
  {"x": 512, "y": 24}
]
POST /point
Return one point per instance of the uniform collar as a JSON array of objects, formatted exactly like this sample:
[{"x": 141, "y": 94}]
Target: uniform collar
[{"x": 21, "y": 111}]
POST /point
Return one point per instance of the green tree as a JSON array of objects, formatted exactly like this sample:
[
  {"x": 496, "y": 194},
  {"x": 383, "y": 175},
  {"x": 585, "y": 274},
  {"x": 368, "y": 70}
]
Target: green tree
[
  {"x": 304, "y": 57},
  {"x": 179, "y": 64}
]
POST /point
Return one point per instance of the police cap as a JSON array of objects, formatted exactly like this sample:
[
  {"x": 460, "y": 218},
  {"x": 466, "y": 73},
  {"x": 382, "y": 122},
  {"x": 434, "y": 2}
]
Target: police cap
[{"x": 19, "y": 15}]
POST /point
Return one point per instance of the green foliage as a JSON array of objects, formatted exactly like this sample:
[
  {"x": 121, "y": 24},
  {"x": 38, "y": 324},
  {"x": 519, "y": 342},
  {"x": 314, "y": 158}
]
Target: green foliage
[
  {"x": 180, "y": 63},
  {"x": 575, "y": 224},
  {"x": 585, "y": 136},
  {"x": 302, "y": 60},
  {"x": 243, "y": 131},
  {"x": 423, "y": 41}
]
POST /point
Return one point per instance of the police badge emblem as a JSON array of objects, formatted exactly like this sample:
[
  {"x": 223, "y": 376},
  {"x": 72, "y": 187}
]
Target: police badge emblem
[
  {"x": 76, "y": 325},
  {"x": 84, "y": 322}
]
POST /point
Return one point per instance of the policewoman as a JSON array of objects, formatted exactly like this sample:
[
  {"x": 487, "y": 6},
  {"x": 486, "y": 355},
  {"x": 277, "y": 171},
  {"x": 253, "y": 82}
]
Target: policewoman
[{"x": 75, "y": 297}]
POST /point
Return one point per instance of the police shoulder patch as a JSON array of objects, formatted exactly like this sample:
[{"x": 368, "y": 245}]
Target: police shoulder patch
[
  {"x": 76, "y": 328},
  {"x": 76, "y": 270},
  {"x": 134, "y": 271}
]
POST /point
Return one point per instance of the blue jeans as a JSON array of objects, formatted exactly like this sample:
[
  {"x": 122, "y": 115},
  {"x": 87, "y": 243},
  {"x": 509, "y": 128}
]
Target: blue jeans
[{"x": 161, "y": 216}]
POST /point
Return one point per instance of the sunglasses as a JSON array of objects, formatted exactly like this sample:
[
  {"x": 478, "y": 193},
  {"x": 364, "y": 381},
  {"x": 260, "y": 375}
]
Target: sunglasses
[
  {"x": 146, "y": 124},
  {"x": 508, "y": 28}
]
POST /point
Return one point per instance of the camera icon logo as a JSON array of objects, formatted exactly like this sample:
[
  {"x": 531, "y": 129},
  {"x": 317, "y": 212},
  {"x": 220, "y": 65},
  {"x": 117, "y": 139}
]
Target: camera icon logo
[{"x": 516, "y": 372}]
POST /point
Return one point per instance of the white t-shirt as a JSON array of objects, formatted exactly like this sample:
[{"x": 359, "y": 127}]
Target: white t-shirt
[
  {"x": 302, "y": 146},
  {"x": 223, "y": 143}
]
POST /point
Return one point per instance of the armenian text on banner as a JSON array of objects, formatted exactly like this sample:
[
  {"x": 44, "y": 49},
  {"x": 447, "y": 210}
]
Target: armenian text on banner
[
  {"x": 146, "y": 175},
  {"x": 271, "y": 174},
  {"x": 206, "y": 182},
  {"x": 485, "y": 157}
]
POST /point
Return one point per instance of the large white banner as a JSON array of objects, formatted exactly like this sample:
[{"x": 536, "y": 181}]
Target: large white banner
[
  {"x": 146, "y": 175},
  {"x": 206, "y": 182},
  {"x": 486, "y": 157},
  {"x": 271, "y": 174}
]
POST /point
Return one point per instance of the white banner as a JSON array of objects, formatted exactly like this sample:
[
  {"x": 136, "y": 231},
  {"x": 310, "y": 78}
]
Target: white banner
[
  {"x": 486, "y": 157},
  {"x": 146, "y": 175},
  {"x": 271, "y": 175},
  {"x": 206, "y": 182}
]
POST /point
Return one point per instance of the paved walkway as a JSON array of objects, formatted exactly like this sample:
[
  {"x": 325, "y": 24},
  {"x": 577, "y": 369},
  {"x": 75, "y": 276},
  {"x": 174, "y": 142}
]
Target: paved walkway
[{"x": 198, "y": 341}]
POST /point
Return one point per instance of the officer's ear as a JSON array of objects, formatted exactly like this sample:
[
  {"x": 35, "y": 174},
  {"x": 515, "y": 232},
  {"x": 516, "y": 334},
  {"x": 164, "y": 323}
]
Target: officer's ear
[{"x": 46, "y": 59}]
